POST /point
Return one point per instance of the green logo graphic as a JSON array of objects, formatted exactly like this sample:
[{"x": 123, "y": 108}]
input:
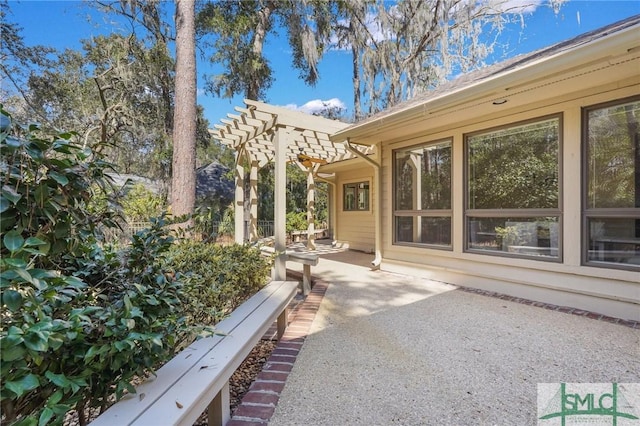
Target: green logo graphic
[{"x": 588, "y": 403}]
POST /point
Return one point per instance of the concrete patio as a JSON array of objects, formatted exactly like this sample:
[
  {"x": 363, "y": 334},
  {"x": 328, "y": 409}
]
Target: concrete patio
[{"x": 392, "y": 349}]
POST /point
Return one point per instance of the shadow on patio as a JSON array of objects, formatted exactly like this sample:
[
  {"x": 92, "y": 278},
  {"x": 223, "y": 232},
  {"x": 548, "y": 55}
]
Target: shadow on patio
[{"x": 386, "y": 348}]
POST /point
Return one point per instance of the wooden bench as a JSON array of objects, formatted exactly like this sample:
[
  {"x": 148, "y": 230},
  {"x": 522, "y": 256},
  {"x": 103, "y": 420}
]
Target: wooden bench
[
  {"x": 307, "y": 259},
  {"x": 198, "y": 377},
  {"x": 297, "y": 236}
]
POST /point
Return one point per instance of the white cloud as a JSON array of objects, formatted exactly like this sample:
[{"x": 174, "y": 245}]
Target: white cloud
[
  {"x": 525, "y": 7},
  {"x": 317, "y": 106},
  {"x": 520, "y": 6},
  {"x": 373, "y": 26}
]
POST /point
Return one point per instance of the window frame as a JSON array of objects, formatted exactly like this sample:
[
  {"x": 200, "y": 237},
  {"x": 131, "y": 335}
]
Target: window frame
[
  {"x": 602, "y": 212},
  {"x": 514, "y": 212},
  {"x": 437, "y": 213},
  {"x": 356, "y": 184}
]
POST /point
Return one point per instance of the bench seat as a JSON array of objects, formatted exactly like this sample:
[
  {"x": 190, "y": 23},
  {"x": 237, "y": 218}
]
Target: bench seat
[{"x": 307, "y": 260}]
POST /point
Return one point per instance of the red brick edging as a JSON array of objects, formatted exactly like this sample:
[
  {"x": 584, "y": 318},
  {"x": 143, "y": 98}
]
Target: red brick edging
[
  {"x": 552, "y": 307},
  {"x": 259, "y": 403}
]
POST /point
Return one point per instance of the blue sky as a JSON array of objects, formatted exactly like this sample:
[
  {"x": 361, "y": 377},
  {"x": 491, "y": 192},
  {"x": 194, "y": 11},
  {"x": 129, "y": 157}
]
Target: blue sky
[{"x": 62, "y": 24}]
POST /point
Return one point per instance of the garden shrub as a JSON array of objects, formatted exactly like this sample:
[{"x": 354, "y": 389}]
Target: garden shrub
[
  {"x": 296, "y": 222},
  {"x": 140, "y": 204},
  {"x": 79, "y": 321},
  {"x": 216, "y": 279},
  {"x": 227, "y": 224}
]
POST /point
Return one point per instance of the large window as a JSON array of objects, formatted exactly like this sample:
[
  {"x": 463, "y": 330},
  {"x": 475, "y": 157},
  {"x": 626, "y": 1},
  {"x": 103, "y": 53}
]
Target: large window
[
  {"x": 356, "y": 196},
  {"x": 512, "y": 190},
  {"x": 611, "y": 214},
  {"x": 422, "y": 194}
]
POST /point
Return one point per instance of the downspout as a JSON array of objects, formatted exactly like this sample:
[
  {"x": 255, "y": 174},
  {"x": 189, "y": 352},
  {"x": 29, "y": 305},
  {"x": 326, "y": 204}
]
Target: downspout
[{"x": 377, "y": 217}]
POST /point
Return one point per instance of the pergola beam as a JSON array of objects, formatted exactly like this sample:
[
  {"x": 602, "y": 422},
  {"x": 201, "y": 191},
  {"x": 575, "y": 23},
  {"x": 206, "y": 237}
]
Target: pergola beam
[{"x": 262, "y": 133}]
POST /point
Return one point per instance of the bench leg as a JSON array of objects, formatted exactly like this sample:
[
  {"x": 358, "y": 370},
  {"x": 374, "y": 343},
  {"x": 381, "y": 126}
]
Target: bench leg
[
  {"x": 306, "y": 279},
  {"x": 282, "y": 322},
  {"x": 220, "y": 408}
]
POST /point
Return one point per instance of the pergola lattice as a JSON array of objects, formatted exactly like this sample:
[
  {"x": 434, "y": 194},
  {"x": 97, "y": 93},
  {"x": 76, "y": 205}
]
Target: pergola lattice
[
  {"x": 253, "y": 129},
  {"x": 260, "y": 134}
]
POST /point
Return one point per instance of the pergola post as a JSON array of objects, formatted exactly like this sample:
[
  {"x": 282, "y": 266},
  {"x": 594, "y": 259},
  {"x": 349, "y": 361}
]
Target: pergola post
[
  {"x": 280, "y": 142},
  {"x": 253, "y": 200},
  {"x": 262, "y": 133},
  {"x": 311, "y": 209},
  {"x": 238, "y": 203}
]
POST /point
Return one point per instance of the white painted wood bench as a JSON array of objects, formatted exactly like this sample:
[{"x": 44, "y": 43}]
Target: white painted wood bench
[
  {"x": 198, "y": 377},
  {"x": 307, "y": 259},
  {"x": 297, "y": 236}
]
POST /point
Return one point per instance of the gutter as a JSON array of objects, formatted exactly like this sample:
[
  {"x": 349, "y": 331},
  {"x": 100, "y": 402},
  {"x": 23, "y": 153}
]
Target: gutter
[{"x": 378, "y": 203}]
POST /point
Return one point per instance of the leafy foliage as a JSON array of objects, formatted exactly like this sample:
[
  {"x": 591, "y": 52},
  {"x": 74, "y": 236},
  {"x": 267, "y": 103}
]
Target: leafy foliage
[
  {"x": 205, "y": 217},
  {"x": 296, "y": 193},
  {"x": 141, "y": 204},
  {"x": 296, "y": 221},
  {"x": 16, "y": 58},
  {"x": 238, "y": 32},
  {"x": 613, "y": 154},
  {"x": 78, "y": 321},
  {"x": 515, "y": 168},
  {"x": 117, "y": 91},
  {"x": 403, "y": 48},
  {"x": 217, "y": 279}
]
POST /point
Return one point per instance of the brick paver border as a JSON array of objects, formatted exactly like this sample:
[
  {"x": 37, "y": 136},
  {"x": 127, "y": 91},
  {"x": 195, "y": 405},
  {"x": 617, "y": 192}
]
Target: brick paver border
[
  {"x": 259, "y": 403},
  {"x": 552, "y": 307}
]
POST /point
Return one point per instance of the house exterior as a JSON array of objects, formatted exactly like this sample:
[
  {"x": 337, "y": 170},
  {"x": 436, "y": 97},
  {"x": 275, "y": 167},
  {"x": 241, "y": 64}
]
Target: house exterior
[
  {"x": 352, "y": 221},
  {"x": 521, "y": 178}
]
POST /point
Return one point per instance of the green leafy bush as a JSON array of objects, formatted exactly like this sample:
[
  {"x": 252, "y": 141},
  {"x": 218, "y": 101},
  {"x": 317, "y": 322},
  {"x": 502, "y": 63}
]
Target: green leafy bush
[
  {"x": 227, "y": 225},
  {"x": 81, "y": 320},
  {"x": 78, "y": 321},
  {"x": 296, "y": 222},
  {"x": 140, "y": 203},
  {"x": 204, "y": 219},
  {"x": 216, "y": 279}
]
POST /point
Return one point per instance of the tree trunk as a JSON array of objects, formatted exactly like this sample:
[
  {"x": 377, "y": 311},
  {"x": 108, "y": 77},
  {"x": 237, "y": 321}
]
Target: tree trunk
[
  {"x": 357, "y": 108},
  {"x": 264, "y": 15},
  {"x": 183, "y": 182}
]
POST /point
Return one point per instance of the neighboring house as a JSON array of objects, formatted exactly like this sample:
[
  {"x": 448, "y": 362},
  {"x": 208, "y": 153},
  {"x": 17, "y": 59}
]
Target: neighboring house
[
  {"x": 214, "y": 184},
  {"x": 120, "y": 180},
  {"x": 521, "y": 178}
]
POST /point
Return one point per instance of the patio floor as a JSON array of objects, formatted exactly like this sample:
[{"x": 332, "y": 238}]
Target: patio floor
[{"x": 391, "y": 349}]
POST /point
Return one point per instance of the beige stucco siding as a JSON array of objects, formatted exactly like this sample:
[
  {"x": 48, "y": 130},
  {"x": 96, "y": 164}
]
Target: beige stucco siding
[{"x": 355, "y": 228}]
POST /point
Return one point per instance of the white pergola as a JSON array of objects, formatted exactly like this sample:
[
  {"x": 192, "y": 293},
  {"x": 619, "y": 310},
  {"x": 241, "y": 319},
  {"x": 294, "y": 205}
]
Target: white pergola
[{"x": 261, "y": 133}]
